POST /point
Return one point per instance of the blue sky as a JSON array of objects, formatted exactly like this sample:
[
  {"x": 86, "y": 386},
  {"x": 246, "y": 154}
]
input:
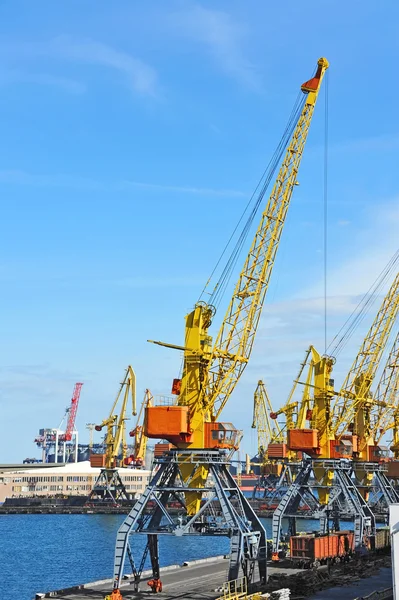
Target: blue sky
[{"x": 132, "y": 137}]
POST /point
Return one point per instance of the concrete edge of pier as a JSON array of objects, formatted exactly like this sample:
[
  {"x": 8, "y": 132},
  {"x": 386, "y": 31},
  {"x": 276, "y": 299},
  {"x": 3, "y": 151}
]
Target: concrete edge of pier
[{"x": 127, "y": 578}]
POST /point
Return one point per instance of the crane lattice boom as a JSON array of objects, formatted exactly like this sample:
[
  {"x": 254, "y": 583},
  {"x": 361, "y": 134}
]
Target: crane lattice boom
[
  {"x": 73, "y": 409},
  {"x": 236, "y": 336},
  {"x": 387, "y": 396}
]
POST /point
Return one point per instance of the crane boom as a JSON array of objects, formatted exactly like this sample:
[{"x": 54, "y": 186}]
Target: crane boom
[
  {"x": 236, "y": 336},
  {"x": 72, "y": 411},
  {"x": 387, "y": 397}
]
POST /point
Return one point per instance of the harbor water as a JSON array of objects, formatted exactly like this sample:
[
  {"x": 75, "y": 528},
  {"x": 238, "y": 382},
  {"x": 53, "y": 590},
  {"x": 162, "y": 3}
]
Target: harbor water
[{"x": 40, "y": 553}]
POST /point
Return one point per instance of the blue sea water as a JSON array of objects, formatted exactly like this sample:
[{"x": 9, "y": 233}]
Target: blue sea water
[{"x": 40, "y": 553}]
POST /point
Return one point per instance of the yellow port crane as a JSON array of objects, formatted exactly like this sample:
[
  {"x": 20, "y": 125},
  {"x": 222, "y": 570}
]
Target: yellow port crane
[
  {"x": 351, "y": 411},
  {"x": 267, "y": 433},
  {"x": 340, "y": 425},
  {"x": 211, "y": 370},
  {"x": 109, "y": 486},
  {"x": 137, "y": 459},
  {"x": 340, "y": 429},
  {"x": 386, "y": 397}
]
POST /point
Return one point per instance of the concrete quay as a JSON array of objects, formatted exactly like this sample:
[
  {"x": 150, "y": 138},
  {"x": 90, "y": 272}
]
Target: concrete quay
[{"x": 199, "y": 580}]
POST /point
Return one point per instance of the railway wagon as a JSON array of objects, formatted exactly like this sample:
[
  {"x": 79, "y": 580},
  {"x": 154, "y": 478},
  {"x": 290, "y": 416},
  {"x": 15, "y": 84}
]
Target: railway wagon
[
  {"x": 313, "y": 550},
  {"x": 382, "y": 539}
]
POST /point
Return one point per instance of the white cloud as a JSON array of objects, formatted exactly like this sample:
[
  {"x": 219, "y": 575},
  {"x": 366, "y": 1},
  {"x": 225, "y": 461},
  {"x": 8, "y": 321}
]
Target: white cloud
[
  {"x": 141, "y": 77},
  {"x": 13, "y": 76},
  {"x": 19, "y": 177},
  {"x": 185, "y": 189},
  {"x": 221, "y": 35}
]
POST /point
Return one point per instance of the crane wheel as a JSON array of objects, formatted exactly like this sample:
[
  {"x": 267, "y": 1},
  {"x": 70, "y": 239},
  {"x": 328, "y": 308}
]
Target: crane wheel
[{"x": 155, "y": 585}]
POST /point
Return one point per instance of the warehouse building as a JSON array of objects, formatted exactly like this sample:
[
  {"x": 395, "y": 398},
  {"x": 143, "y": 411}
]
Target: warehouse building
[{"x": 72, "y": 479}]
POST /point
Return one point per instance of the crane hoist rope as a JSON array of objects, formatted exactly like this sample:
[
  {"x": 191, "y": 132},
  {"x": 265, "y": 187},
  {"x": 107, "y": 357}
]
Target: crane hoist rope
[{"x": 258, "y": 195}]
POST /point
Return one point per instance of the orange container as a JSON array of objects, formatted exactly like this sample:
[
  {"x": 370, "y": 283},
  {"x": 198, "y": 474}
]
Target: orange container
[
  {"x": 303, "y": 439},
  {"x": 97, "y": 460},
  {"x": 166, "y": 422},
  {"x": 310, "y": 547},
  {"x": 346, "y": 543},
  {"x": 393, "y": 469},
  {"x": 160, "y": 449},
  {"x": 277, "y": 450},
  {"x": 325, "y": 546}
]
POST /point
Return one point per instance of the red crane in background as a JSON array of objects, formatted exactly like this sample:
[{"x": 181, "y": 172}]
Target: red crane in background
[{"x": 73, "y": 409}]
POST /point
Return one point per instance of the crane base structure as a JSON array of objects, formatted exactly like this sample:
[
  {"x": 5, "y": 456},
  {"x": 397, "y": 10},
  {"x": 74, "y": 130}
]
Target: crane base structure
[
  {"x": 224, "y": 511},
  {"x": 108, "y": 488},
  {"x": 343, "y": 491}
]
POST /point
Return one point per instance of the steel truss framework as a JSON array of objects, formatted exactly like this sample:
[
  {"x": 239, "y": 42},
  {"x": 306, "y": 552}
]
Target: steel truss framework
[
  {"x": 344, "y": 497},
  {"x": 224, "y": 511},
  {"x": 272, "y": 488},
  {"x": 108, "y": 488}
]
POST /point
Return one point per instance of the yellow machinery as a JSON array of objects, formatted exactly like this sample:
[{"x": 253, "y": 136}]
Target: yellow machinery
[
  {"x": 211, "y": 371},
  {"x": 354, "y": 401},
  {"x": 341, "y": 427},
  {"x": 137, "y": 459},
  {"x": 109, "y": 486},
  {"x": 271, "y": 439},
  {"x": 386, "y": 398}
]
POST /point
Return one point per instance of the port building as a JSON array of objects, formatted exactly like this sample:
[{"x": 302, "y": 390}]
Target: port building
[{"x": 72, "y": 479}]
